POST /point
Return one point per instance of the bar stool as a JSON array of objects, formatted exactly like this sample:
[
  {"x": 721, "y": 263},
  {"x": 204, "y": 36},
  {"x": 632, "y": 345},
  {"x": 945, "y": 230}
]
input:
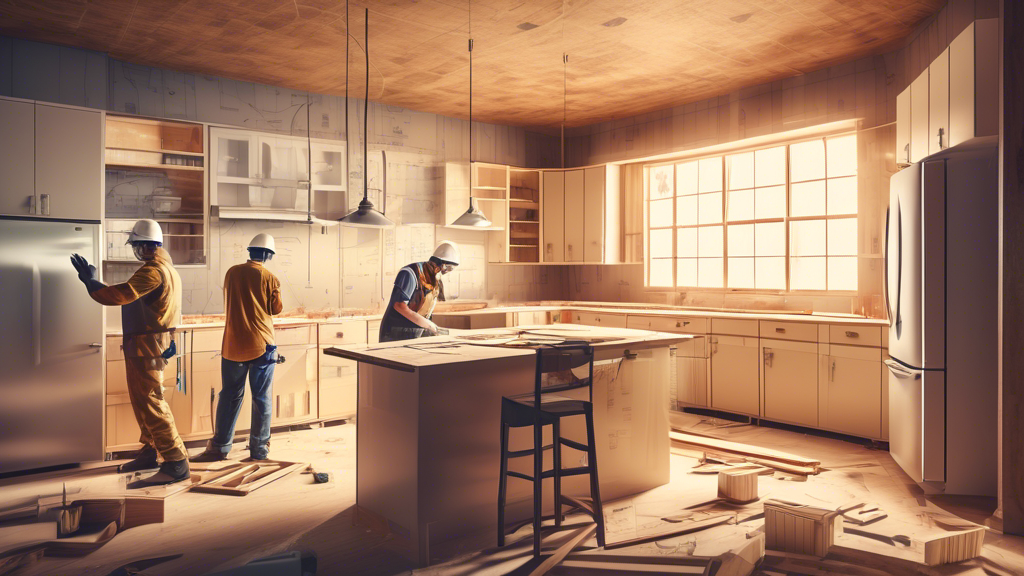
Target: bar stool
[{"x": 521, "y": 410}]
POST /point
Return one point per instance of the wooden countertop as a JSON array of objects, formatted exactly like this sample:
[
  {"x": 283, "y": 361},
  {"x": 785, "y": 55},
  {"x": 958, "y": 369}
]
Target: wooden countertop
[
  {"x": 408, "y": 355},
  {"x": 650, "y": 310}
]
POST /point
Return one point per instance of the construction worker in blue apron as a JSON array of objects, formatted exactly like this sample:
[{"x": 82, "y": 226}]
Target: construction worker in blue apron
[
  {"x": 417, "y": 290},
  {"x": 150, "y": 304}
]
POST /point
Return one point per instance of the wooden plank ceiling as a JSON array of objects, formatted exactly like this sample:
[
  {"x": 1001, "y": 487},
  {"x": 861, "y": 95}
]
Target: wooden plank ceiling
[{"x": 625, "y": 58}]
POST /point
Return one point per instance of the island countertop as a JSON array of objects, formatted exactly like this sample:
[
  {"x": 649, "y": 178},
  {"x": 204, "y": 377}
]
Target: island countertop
[{"x": 462, "y": 346}]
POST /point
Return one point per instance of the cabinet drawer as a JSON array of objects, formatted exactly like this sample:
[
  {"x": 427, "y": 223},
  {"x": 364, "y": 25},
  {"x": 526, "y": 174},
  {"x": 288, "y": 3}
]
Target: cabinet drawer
[
  {"x": 596, "y": 319},
  {"x": 207, "y": 340},
  {"x": 789, "y": 331},
  {"x": 856, "y": 335},
  {"x": 685, "y": 325},
  {"x": 294, "y": 335},
  {"x": 353, "y": 332},
  {"x": 734, "y": 327}
]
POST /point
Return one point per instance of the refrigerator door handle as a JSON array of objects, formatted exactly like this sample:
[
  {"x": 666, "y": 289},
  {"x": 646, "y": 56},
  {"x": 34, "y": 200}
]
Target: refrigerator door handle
[
  {"x": 37, "y": 316},
  {"x": 901, "y": 372},
  {"x": 899, "y": 267},
  {"x": 885, "y": 266}
]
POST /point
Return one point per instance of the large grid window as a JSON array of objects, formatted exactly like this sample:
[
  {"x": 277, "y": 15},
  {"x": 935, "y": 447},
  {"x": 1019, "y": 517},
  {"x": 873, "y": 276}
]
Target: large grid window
[{"x": 778, "y": 218}]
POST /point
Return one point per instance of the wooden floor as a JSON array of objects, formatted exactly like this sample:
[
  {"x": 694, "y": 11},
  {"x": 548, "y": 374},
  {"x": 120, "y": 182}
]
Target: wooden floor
[{"x": 206, "y": 533}]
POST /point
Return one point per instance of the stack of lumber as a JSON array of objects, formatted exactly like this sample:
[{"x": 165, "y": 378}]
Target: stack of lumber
[
  {"x": 726, "y": 450},
  {"x": 800, "y": 529}
]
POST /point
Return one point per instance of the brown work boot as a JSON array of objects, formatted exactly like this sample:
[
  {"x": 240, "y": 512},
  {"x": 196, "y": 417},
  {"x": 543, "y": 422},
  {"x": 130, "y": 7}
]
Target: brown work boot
[{"x": 145, "y": 459}]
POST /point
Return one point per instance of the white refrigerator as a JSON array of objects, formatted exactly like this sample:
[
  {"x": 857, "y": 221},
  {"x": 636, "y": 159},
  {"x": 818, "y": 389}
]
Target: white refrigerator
[{"x": 942, "y": 268}]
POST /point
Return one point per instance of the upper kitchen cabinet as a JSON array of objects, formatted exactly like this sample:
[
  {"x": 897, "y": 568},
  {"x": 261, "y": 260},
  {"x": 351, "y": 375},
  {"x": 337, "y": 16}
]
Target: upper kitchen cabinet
[
  {"x": 524, "y": 216},
  {"x": 554, "y": 216},
  {"x": 51, "y": 160},
  {"x": 155, "y": 169},
  {"x": 267, "y": 176},
  {"x": 581, "y": 215},
  {"x": 919, "y": 117},
  {"x": 974, "y": 82},
  {"x": 953, "y": 100}
]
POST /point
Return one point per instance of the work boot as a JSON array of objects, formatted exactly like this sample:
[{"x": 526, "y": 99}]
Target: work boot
[
  {"x": 144, "y": 460},
  {"x": 169, "y": 473},
  {"x": 209, "y": 455}
]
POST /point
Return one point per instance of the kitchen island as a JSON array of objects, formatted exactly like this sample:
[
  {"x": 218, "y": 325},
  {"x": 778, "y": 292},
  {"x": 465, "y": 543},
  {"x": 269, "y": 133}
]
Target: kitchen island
[{"x": 428, "y": 426}]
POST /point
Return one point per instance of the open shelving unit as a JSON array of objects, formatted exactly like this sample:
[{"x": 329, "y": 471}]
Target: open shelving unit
[
  {"x": 155, "y": 169},
  {"x": 524, "y": 229}
]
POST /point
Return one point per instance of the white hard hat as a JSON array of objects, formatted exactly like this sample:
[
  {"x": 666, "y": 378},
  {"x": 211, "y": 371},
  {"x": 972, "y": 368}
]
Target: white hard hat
[
  {"x": 146, "y": 231},
  {"x": 448, "y": 252},
  {"x": 265, "y": 241}
]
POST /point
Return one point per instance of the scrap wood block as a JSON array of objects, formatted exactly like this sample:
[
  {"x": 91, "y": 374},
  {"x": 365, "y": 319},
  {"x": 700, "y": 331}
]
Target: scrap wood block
[
  {"x": 20, "y": 559},
  {"x": 141, "y": 510},
  {"x": 800, "y": 529},
  {"x": 954, "y": 546},
  {"x": 739, "y": 486},
  {"x": 750, "y": 453}
]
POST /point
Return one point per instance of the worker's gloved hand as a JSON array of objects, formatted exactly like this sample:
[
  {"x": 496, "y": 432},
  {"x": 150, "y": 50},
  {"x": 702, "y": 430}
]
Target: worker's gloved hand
[
  {"x": 442, "y": 331},
  {"x": 86, "y": 271}
]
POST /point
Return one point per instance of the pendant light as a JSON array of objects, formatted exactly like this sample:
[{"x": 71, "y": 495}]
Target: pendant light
[
  {"x": 473, "y": 217},
  {"x": 365, "y": 216}
]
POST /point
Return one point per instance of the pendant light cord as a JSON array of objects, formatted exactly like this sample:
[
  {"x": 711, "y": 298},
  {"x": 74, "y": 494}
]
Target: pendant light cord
[
  {"x": 348, "y": 131},
  {"x": 366, "y": 103},
  {"x": 469, "y": 10}
]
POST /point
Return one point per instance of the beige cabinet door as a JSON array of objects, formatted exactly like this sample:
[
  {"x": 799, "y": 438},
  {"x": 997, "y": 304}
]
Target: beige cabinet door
[
  {"x": 69, "y": 162},
  {"x": 553, "y": 216},
  {"x": 734, "y": 374},
  {"x": 295, "y": 386},
  {"x": 790, "y": 381},
  {"x": 593, "y": 214},
  {"x": 903, "y": 127},
  {"x": 17, "y": 157},
  {"x": 938, "y": 103},
  {"x": 337, "y": 387},
  {"x": 854, "y": 389},
  {"x": 919, "y": 117},
  {"x": 205, "y": 383},
  {"x": 575, "y": 194},
  {"x": 692, "y": 381}
]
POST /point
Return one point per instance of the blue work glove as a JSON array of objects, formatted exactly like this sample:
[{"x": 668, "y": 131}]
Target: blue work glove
[{"x": 86, "y": 273}]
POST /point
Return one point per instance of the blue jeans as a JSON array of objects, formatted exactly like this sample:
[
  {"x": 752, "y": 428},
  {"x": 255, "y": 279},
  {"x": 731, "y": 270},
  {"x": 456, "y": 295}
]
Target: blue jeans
[{"x": 261, "y": 379}]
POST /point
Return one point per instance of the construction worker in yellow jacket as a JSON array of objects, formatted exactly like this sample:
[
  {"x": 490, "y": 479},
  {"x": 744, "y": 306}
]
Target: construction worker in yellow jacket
[{"x": 150, "y": 311}]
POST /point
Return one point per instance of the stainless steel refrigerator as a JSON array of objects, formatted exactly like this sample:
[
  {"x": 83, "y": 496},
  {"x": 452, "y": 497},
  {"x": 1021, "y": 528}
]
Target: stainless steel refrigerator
[
  {"x": 51, "y": 346},
  {"x": 942, "y": 268}
]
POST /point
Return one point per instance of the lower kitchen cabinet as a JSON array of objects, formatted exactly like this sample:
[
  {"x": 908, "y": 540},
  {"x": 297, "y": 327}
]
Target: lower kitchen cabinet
[
  {"x": 122, "y": 430},
  {"x": 734, "y": 374},
  {"x": 295, "y": 385},
  {"x": 692, "y": 373},
  {"x": 338, "y": 386},
  {"x": 851, "y": 390},
  {"x": 205, "y": 385},
  {"x": 790, "y": 381}
]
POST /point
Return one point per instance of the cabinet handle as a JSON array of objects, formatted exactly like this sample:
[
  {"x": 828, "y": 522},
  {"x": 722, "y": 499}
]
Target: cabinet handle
[
  {"x": 341, "y": 335},
  {"x": 768, "y": 357},
  {"x": 95, "y": 345},
  {"x": 780, "y": 330},
  {"x": 714, "y": 346},
  {"x": 832, "y": 376},
  {"x": 44, "y": 204},
  {"x": 852, "y": 334},
  {"x": 32, "y": 204}
]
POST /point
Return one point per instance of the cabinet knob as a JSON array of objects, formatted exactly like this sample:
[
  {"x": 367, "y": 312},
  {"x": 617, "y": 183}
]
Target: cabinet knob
[{"x": 341, "y": 335}]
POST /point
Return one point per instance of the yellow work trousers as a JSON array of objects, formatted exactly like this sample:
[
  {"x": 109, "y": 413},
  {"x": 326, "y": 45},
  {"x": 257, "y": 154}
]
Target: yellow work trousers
[{"x": 145, "y": 390}]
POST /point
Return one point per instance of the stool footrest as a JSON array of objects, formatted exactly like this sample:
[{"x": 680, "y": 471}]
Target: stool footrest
[
  {"x": 567, "y": 472},
  {"x": 520, "y": 475},
  {"x": 574, "y": 444},
  {"x": 527, "y": 452}
]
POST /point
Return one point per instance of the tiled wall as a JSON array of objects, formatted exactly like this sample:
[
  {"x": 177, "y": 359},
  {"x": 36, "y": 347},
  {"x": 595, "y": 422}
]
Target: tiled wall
[
  {"x": 863, "y": 91},
  {"x": 319, "y": 267}
]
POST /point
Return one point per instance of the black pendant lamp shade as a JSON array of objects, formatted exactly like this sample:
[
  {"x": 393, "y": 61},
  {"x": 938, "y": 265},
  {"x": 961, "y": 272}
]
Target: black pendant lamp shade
[{"x": 365, "y": 216}]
